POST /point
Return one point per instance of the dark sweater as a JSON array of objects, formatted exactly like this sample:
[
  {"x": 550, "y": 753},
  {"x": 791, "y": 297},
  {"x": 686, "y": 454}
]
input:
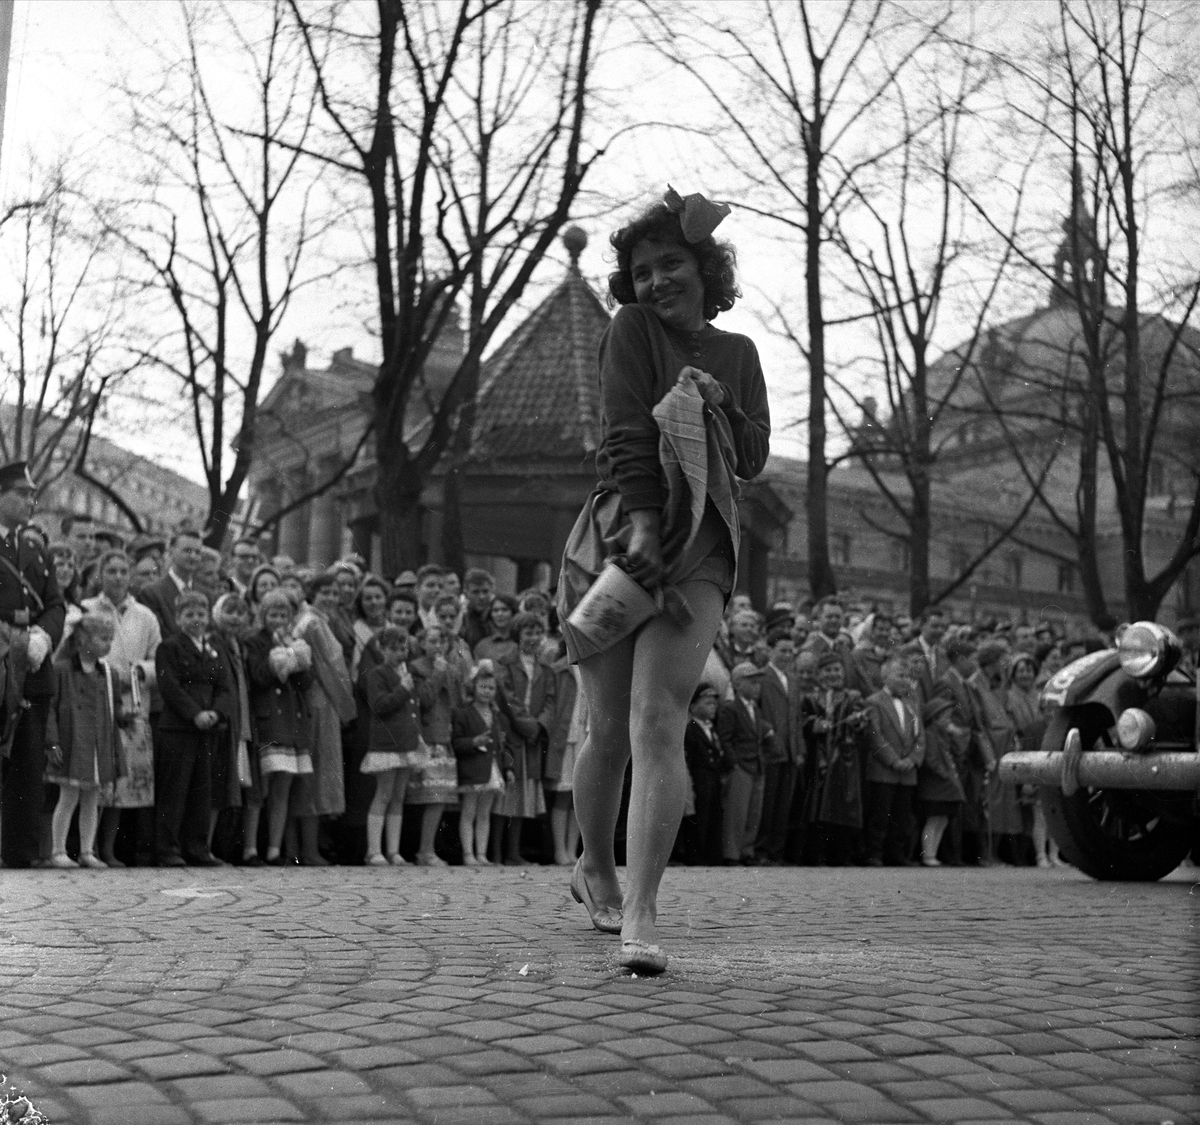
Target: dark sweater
[{"x": 640, "y": 360}]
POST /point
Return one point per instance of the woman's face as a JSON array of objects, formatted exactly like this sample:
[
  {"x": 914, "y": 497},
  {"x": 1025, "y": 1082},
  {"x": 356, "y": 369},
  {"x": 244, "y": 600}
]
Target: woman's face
[
  {"x": 501, "y": 615},
  {"x": 277, "y": 617},
  {"x": 1024, "y": 675},
  {"x": 347, "y": 588},
  {"x": 327, "y": 599},
  {"x": 402, "y": 614},
  {"x": 374, "y": 605},
  {"x": 264, "y": 584},
  {"x": 485, "y": 689},
  {"x": 64, "y": 571},
  {"x": 666, "y": 279}
]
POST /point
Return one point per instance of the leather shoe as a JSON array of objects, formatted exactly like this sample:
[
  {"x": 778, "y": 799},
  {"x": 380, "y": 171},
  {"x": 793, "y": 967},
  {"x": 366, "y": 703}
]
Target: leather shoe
[
  {"x": 206, "y": 859},
  {"x": 171, "y": 861},
  {"x": 605, "y": 920},
  {"x": 642, "y": 957}
]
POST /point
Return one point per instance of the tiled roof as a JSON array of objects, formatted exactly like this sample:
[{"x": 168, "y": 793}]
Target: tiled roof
[{"x": 539, "y": 397}]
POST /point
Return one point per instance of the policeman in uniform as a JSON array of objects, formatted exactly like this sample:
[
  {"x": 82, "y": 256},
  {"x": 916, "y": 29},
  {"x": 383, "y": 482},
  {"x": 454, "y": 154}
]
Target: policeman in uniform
[{"x": 32, "y": 613}]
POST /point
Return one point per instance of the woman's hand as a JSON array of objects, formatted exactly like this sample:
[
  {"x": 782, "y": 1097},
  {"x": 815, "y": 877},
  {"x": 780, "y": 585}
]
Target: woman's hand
[
  {"x": 645, "y": 549},
  {"x": 710, "y": 390}
]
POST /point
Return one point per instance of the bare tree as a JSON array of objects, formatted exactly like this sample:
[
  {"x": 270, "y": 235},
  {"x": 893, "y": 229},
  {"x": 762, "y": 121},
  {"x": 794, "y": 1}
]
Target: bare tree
[
  {"x": 798, "y": 86},
  {"x": 226, "y": 223},
  {"x": 1127, "y": 385},
  {"x": 62, "y": 329},
  {"x": 469, "y": 149},
  {"x": 909, "y": 259}
]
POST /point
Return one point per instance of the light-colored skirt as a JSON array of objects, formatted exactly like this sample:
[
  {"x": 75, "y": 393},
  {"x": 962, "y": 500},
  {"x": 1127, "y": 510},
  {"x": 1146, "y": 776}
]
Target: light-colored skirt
[
  {"x": 436, "y": 783},
  {"x": 522, "y": 799},
  {"x": 284, "y": 759},
  {"x": 136, "y": 789},
  {"x": 380, "y": 761}
]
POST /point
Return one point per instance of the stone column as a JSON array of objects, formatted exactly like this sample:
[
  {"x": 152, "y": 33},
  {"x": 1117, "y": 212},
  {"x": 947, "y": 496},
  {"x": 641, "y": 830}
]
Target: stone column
[{"x": 293, "y": 529}]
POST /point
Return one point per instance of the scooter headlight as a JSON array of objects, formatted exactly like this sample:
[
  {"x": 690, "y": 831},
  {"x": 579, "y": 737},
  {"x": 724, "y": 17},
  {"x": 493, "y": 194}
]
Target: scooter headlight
[
  {"x": 1147, "y": 649},
  {"x": 1135, "y": 729}
]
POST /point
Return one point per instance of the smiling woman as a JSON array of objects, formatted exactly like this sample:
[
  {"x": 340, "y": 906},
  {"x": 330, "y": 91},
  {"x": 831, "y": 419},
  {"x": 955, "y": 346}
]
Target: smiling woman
[{"x": 683, "y": 402}]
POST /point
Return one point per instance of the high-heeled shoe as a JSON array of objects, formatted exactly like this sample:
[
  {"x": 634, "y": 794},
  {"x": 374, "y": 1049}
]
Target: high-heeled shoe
[
  {"x": 642, "y": 957},
  {"x": 606, "y": 921}
]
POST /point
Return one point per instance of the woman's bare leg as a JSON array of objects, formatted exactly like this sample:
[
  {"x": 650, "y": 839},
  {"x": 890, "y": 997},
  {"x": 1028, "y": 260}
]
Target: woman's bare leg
[
  {"x": 600, "y": 768},
  {"x": 668, "y": 663}
]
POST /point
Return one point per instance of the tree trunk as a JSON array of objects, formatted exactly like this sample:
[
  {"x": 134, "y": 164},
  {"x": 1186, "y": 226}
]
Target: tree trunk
[
  {"x": 918, "y": 546},
  {"x": 399, "y": 506},
  {"x": 453, "y": 548},
  {"x": 821, "y": 580}
]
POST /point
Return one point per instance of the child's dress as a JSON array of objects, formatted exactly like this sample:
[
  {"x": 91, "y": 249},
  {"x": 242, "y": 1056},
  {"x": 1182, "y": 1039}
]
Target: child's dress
[
  {"x": 278, "y": 710},
  {"x": 394, "y": 722},
  {"x": 481, "y": 772},
  {"x": 84, "y": 714}
]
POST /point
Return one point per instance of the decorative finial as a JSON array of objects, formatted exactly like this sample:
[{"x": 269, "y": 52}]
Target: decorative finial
[{"x": 575, "y": 239}]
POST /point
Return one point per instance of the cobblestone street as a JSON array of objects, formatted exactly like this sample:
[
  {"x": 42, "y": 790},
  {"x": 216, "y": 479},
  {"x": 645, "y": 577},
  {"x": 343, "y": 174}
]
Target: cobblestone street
[{"x": 439, "y": 996}]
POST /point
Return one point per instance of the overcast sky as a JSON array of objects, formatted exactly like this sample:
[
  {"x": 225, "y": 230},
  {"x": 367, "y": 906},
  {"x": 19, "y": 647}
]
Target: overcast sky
[{"x": 65, "y": 54}]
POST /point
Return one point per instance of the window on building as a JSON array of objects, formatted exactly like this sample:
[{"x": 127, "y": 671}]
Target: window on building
[
  {"x": 843, "y": 546},
  {"x": 1066, "y": 578},
  {"x": 901, "y": 556},
  {"x": 960, "y": 559}
]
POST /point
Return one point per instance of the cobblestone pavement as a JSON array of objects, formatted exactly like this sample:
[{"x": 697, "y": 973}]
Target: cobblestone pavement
[{"x": 442, "y": 996}]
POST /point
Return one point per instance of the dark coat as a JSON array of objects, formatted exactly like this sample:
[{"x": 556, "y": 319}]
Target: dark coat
[
  {"x": 565, "y": 693},
  {"x": 190, "y": 680},
  {"x": 38, "y": 597},
  {"x": 890, "y": 745},
  {"x": 63, "y": 726},
  {"x": 836, "y": 753},
  {"x": 279, "y": 711},
  {"x": 439, "y": 693},
  {"x": 782, "y": 712},
  {"x": 938, "y": 779},
  {"x": 475, "y": 762},
  {"x": 702, "y": 754},
  {"x": 743, "y": 740},
  {"x": 531, "y": 724},
  {"x": 394, "y": 713},
  {"x": 161, "y": 597}
]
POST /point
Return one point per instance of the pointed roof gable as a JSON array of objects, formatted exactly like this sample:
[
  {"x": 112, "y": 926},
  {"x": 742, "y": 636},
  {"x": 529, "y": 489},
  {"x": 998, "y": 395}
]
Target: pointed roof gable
[{"x": 539, "y": 395}]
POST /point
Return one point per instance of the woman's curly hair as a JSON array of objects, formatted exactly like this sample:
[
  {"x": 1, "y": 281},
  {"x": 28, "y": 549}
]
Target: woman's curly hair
[{"x": 717, "y": 260}]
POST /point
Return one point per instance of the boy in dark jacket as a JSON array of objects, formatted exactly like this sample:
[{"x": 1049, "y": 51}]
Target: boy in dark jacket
[{"x": 195, "y": 691}]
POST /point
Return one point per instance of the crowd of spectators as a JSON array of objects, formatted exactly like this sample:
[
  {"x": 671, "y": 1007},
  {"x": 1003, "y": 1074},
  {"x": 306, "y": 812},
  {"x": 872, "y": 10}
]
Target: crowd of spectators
[{"x": 238, "y": 709}]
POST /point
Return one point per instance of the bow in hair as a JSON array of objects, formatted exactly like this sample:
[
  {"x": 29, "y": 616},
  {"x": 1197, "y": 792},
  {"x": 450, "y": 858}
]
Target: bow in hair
[{"x": 698, "y": 216}]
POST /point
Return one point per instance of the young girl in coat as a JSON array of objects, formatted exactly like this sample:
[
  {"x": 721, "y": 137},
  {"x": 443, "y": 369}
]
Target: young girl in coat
[
  {"x": 279, "y": 668},
  {"x": 83, "y": 748},
  {"x": 480, "y": 741},
  {"x": 393, "y": 743}
]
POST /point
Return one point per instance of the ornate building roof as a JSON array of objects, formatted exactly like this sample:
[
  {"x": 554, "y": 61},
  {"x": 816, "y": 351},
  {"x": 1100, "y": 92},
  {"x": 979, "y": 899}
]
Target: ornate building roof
[{"x": 539, "y": 395}]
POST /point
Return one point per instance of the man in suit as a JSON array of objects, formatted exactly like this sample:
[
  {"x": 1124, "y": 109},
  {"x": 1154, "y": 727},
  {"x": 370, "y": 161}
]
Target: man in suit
[
  {"x": 780, "y": 701},
  {"x": 966, "y": 835},
  {"x": 196, "y": 695},
  {"x": 32, "y": 613},
  {"x": 744, "y": 734},
  {"x": 929, "y": 640},
  {"x": 187, "y": 552},
  {"x": 897, "y": 748}
]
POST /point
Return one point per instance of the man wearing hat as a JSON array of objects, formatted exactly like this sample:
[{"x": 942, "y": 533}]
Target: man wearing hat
[
  {"x": 744, "y": 734},
  {"x": 32, "y": 613}
]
